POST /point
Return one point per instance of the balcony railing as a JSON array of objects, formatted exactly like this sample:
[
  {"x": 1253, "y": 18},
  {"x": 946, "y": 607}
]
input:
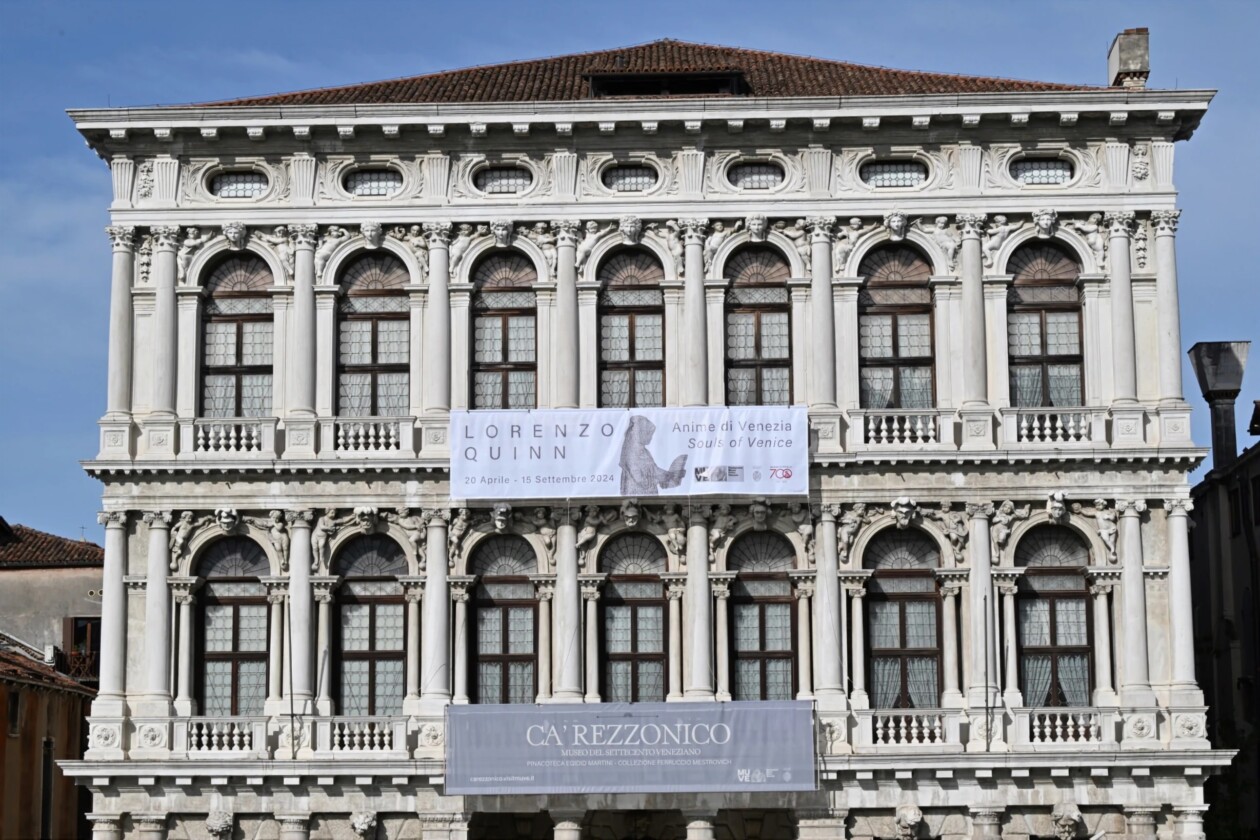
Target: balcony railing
[
  {"x": 381, "y": 737},
  {"x": 230, "y": 437},
  {"x": 222, "y": 737},
  {"x": 901, "y": 429},
  {"x": 882, "y": 730},
  {"x": 1054, "y": 426},
  {"x": 368, "y": 436},
  {"x": 1068, "y": 729}
]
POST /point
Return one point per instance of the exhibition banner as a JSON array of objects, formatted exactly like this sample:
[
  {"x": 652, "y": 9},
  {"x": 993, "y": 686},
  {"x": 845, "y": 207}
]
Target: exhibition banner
[
  {"x": 637, "y": 453},
  {"x": 630, "y": 748}
]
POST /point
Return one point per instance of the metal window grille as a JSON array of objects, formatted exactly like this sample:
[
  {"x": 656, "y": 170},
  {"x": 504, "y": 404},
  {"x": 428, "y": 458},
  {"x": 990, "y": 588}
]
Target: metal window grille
[
  {"x": 503, "y": 180},
  {"x": 755, "y": 176},
  {"x": 1041, "y": 171},
  {"x": 373, "y": 182},
  {"x": 238, "y": 184},
  {"x": 904, "y": 173},
  {"x": 630, "y": 178}
]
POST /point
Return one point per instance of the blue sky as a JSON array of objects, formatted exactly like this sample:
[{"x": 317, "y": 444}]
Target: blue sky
[{"x": 54, "y": 257}]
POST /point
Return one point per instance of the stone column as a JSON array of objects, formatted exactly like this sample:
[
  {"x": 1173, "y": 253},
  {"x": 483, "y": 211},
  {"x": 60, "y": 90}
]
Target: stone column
[
  {"x": 1135, "y": 687},
  {"x": 1185, "y": 689},
  {"x": 184, "y": 599},
  {"x": 1104, "y": 692},
  {"x": 975, "y": 345},
  {"x": 721, "y": 583},
  {"x": 804, "y": 592},
  {"x": 828, "y": 680},
  {"x": 986, "y": 823},
  {"x": 302, "y": 323},
  {"x": 695, "y": 332},
  {"x": 1169, "y": 306},
  {"x": 568, "y": 826},
  {"x": 459, "y": 594},
  {"x": 109, "y": 699},
  {"x": 413, "y": 595},
  {"x": 951, "y": 696},
  {"x": 590, "y": 596},
  {"x": 982, "y": 692},
  {"x": 149, "y": 826},
  {"x": 106, "y": 826},
  {"x": 157, "y": 617},
  {"x": 565, "y": 351},
  {"x": 545, "y": 591},
  {"x": 699, "y": 605},
  {"x": 164, "y": 337},
  {"x": 435, "y": 674},
  {"x": 1140, "y": 823},
  {"x": 675, "y": 595},
  {"x": 857, "y": 656},
  {"x": 300, "y": 600},
  {"x": 567, "y": 612},
  {"x": 323, "y": 653},
  {"x": 437, "y": 325},
  {"x": 294, "y": 826},
  {"x": 1124, "y": 360},
  {"x": 822, "y": 364},
  {"x": 118, "y": 392},
  {"x": 699, "y": 826},
  {"x": 275, "y": 646},
  {"x": 1011, "y": 694},
  {"x": 1189, "y": 822}
]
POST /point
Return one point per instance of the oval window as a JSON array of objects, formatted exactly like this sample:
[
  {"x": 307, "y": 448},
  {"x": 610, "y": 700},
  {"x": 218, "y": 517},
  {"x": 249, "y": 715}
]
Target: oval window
[
  {"x": 630, "y": 178},
  {"x": 363, "y": 183},
  {"x": 755, "y": 176},
  {"x": 1041, "y": 171},
  {"x": 238, "y": 185},
  {"x": 503, "y": 180},
  {"x": 889, "y": 173}
]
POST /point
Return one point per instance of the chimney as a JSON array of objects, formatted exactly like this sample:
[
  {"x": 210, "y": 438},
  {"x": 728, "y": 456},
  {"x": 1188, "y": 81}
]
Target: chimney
[
  {"x": 1129, "y": 59},
  {"x": 1218, "y": 365}
]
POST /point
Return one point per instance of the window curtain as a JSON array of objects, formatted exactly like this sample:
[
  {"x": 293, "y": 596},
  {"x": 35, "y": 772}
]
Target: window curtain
[
  {"x": 1026, "y": 386},
  {"x": 885, "y": 682},
  {"x": 1074, "y": 678},
  {"x": 922, "y": 681},
  {"x": 1036, "y": 685},
  {"x": 1065, "y": 385}
]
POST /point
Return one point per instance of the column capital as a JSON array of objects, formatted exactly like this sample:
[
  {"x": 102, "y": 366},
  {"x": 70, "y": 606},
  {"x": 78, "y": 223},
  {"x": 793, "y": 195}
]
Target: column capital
[
  {"x": 294, "y": 822},
  {"x": 544, "y": 587},
  {"x": 1178, "y": 507},
  {"x": 980, "y": 510},
  {"x": 590, "y": 585},
  {"x": 149, "y": 821},
  {"x": 122, "y": 237},
  {"x": 1119, "y": 222},
  {"x": 304, "y": 236},
  {"x": 820, "y": 228},
  {"x": 165, "y": 237},
  {"x": 439, "y": 234},
  {"x": 951, "y": 588},
  {"x": 183, "y": 588},
  {"x": 1007, "y": 587},
  {"x": 105, "y": 822},
  {"x": 720, "y": 584},
  {"x": 566, "y": 232},
  {"x": 803, "y": 587},
  {"x": 1131, "y": 507},
  {"x": 413, "y": 588},
  {"x": 160, "y": 519},
  {"x": 299, "y": 518},
  {"x": 971, "y": 225},
  {"x": 1101, "y": 588},
  {"x": 1165, "y": 221},
  {"x": 694, "y": 230},
  {"x": 112, "y": 518}
]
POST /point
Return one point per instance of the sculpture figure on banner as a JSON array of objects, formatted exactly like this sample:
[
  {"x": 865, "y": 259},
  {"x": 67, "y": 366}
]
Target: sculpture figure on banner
[{"x": 640, "y": 474}]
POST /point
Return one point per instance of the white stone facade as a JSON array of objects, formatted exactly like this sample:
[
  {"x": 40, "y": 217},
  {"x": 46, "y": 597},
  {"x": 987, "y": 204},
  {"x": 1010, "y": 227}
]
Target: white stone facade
[{"x": 1131, "y": 762}]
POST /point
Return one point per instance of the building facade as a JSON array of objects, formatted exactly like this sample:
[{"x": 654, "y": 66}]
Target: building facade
[{"x": 971, "y": 284}]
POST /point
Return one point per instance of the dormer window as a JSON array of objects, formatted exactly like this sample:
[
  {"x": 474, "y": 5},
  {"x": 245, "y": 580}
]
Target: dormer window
[
  {"x": 238, "y": 185},
  {"x": 883, "y": 174},
  {"x": 762, "y": 175},
  {"x": 377, "y": 182},
  {"x": 1040, "y": 171},
  {"x": 630, "y": 178},
  {"x": 503, "y": 180}
]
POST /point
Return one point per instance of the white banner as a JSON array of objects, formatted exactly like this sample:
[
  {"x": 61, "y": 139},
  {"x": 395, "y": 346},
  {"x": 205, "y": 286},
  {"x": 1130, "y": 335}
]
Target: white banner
[{"x": 607, "y": 453}]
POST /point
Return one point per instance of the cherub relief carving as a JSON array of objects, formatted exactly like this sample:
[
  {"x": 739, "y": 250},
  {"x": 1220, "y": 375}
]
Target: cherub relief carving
[
  {"x": 996, "y": 237},
  {"x": 1004, "y": 519}
]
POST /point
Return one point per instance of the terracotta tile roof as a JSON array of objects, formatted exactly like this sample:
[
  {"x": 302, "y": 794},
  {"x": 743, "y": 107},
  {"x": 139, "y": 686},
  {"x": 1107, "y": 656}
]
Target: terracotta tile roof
[
  {"x": 565, "y": 78},
  {"x": 19, "y": 668},
  {"x": 23, "y": 547}
]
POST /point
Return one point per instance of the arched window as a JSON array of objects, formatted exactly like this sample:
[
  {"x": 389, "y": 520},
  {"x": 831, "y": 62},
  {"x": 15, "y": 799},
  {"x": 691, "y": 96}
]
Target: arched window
[
  {"x": 505, "y": 366},
  {"x": 1054, "y": 626},
  {"x": 762, "y": 611},
  {"x": 503, "y": 644},
  {"x": 633, "y": 605},
  {"x": 895, "y": 330},
  {"x": 631, "y": 331},
  {"x": 903, "y": 621},
  {"x": 233, "y": 643},
  {"x": 371, "y": 629},
  {"x": 374, "y": 338},
  {"x": 1043, "y": 327},
  {"x": 758, "y": 328},
  {"x": 237, "y": 340}
]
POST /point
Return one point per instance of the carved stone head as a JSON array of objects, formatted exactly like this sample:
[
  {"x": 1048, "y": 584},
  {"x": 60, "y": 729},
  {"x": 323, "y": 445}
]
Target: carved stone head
[
  {"x": 236, "y": 234},
  {"x": 1044, "y": 221},
  {"x": 896, "y": 223},
  {"x": 631, "y": 228},
  {"x": 365, "y": 519},
  {"x": 905, "y": 510},
  {"x": 759, "y": 512},
  {"x": 630, "y": 512},
  {"x": 1056, "y": 507},
  {"x": 501, "y": 229},
  {"x": 758, "y": 226},
  {"x": 227, "y": 519},
  {"x": 501, "y": 517},
  {"x": 373, "y": 234}
]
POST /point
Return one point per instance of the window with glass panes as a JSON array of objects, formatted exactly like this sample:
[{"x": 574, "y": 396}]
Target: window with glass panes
[
  {"x": 371, "y": 627},
  {"x": 1043, "y": 327},
  {"x": 903, "y": 621},
  {"x": 631, "y": 331},
  {"x": 237, "y": 340},
  {"x": 763, "y": 664},
  {"x": 505, "y": 345},
  {"x": 374, "y": 339},
  {"x": 895, "y": 365},
  {"x": 232, "y": 643},
  {"x": 758, "y": 328},
  {"x": 633, "y": 608},
  {"x": 1055, "y": 661},
  {"x": 503, "y": 641}
]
